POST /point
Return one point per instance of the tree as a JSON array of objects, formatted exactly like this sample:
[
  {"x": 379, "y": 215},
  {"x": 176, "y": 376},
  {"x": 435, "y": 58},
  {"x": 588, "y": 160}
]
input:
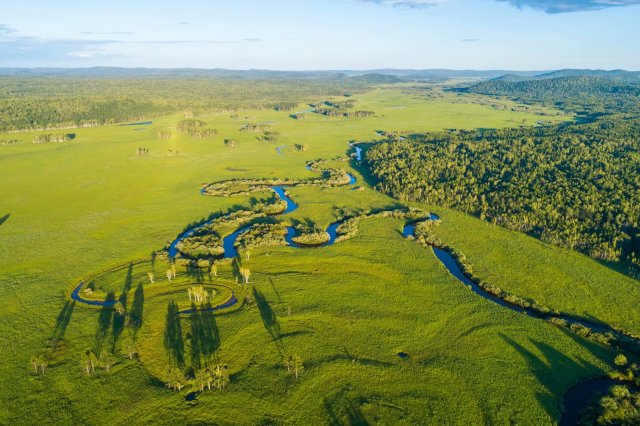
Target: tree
[
  {"x": 129, "y": 345},
  {"x": 214, "y": 270},
  {"x": 202, "y": 379},
  {"x": 175, "y": 379},
  {"x": 173, "y": 271},
  {"x": 88, "y": 362},
  {"x": 220, "y": 376},
  {"x": 151, "y": 277},
  {"x": 294, "y": 364},
  {"x": 120, "y": 309},
  {"x": 39, "y": 364},
  {"x": 247, "y": 254},
  {"x": 169, "y": 274},
  {"x": 246, "y": 273},
  {"x": 107, "y": 360}
]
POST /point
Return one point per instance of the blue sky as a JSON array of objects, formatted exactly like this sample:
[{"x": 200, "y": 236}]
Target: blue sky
[{"x": 322, "y": 34}]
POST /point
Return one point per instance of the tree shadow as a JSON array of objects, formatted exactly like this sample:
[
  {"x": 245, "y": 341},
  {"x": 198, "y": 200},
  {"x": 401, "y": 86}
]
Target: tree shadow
[
  {"x": 352, "y": 415},
  {"x": 135, "y": 316},
  {"x": 4, "y": 218},
  {"x": 118, "y": 322},
  {"x": 173, "y": 343},
  {"x": 63, "y": 319},
  {"x": 275, "y": 290},
  {"x": 128, "y": 279},
  {"x": 205, "y": 336},
  {"x": 104, "y": 322},
  {"x": 197, "y": 274},
  {"x": 269, "y": 318},
  {"x": 548, "y": 369}
]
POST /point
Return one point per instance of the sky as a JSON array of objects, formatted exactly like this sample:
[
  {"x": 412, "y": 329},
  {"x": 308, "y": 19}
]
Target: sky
[{"x": 322, "y": 34}]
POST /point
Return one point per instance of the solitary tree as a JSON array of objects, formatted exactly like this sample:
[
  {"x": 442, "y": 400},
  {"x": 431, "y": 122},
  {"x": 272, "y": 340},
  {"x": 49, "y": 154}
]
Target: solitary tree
[
  {"x": 294, "y": 364},
  {"x": 214, "y": 270},
  {"x": 246, "y": 273},
  {"x": 129, "y": 345},
  {"x": 169, "y": 274},
  {"x": 120, "y": 309},
  {"x": 151, "y": 277},
  {"x": 39, "y": 364}
]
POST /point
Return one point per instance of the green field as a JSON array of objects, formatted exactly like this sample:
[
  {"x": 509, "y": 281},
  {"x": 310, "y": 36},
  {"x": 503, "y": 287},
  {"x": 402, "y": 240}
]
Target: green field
[{"x": 82, "y": 207}]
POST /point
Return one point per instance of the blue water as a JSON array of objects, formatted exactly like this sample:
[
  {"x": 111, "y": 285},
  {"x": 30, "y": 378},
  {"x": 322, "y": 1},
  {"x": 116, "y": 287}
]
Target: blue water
[
  {"x": 291, "y": 206},
  {"x": 141, "y": 123},
  {"x": 76, "y": 296}
]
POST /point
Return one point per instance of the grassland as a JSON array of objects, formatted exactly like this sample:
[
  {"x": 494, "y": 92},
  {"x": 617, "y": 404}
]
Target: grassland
[{"x": 81, "y": 207}]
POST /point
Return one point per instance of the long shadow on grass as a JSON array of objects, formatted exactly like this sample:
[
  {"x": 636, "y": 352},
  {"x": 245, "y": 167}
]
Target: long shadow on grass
[
  {"x": 119, "y": 320},
  {"x": 128, "y": 279},
  {"x": 547, "y": 369},
  {"x": 205, "y": 336},
  {"x": 64, "y": 317},
  {"x": 135, "y": 316},
  {"x": 196, "y": 274},
  {"x": 173, "y": 343},
  {"x": 352, "y": 414},
  {"x": 4, "y": 218},
  {"x": 104, "y": 322},
  {"x": 269, "y": 318}
]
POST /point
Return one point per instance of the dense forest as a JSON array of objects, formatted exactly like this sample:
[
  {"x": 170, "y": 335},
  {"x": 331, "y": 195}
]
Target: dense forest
[
  {"x": 590, "y": 96},
  {"x": 29, "y": 103},
  {"x": 576, "y": 186}
]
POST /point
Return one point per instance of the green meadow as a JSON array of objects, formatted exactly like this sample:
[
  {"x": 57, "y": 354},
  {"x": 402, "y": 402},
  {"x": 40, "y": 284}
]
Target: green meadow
[{"x": 90, "y": 205}]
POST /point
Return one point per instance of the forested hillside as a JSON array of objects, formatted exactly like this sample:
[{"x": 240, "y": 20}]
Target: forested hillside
[
  {"x": 576, "y": 186},
  {"x": 583, "y": 95}
]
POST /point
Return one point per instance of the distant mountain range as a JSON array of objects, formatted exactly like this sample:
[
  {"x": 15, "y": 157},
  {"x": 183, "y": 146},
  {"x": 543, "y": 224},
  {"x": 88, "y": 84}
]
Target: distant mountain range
[{"x": 375, "y": 75}]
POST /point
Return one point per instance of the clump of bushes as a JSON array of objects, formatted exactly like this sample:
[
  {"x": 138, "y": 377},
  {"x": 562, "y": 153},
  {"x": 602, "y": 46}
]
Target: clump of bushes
[
  {"x": 230, "y": 143},
  {"x": 54, "y": 138},
  {"x": 189, "y": 124},
  {"x": 263, "y": 234},
  {"x": 201, "y": 246},
  {"x": 310, "y": 235},
  {"x": 270, "y": 136},
  {"x": 202, "y": 133},
  {"x": 359, "y": 114},
  {"x": 255, "y": 128},
  {"x": 8, "y": 141}
]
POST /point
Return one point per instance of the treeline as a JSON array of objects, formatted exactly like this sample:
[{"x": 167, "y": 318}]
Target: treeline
[
  {"x": 334, "y": 112},
  {"x": 40, "y": 103},
  {"x": 285, "y": 106},
  {"x": 582, "y": 95},
  {"x": 54, "y": 138},
  {"x": 576, "y": 186},
  {"x": 350, "y": 103}
]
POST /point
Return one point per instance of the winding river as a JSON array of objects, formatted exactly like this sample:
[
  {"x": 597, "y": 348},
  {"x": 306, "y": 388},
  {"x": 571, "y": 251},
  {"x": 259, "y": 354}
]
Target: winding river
[{"x": 574, "y": 400}]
